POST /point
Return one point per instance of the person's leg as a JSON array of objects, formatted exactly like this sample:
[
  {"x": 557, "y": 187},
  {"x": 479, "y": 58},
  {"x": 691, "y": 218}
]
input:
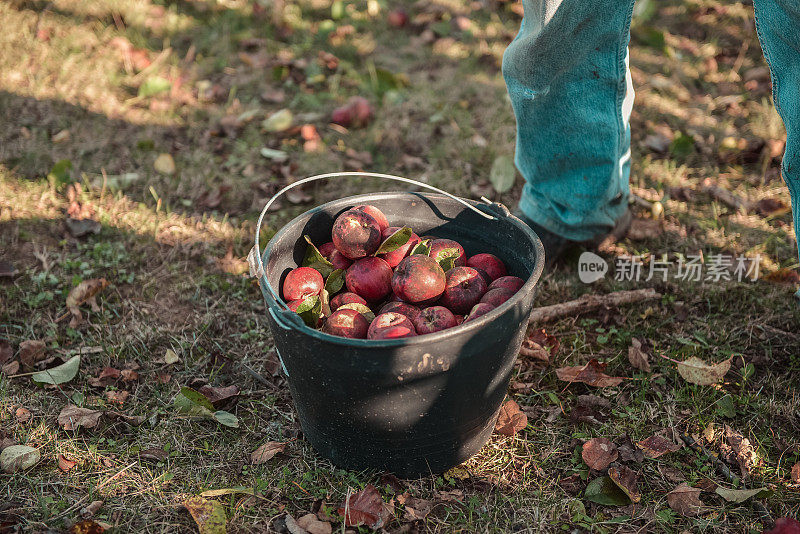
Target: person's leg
[
  {"x": 566, "y": 73},
  {"x": 778, "y": 27}
]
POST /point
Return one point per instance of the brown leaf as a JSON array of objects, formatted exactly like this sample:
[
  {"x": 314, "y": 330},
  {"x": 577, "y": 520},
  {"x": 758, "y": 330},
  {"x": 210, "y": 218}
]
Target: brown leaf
[
  {"x": 265, "y": 452},
  {"x": 23, "y": 415},
  {"x": 626, "y": 479},
  {"x": 365, "y": 507},
  {"x": 117, "y": 396},
  {"x": 511, "y": 419},
  {"x": 637, "y": 357},
  {"x": 454, "y": 495},
  {"x": 106, "y": 377},
  {"x": 391, "y": 481},
  {"x": 134, "y": 420},
  {"x": 87, "y": 526},
  {"x": 656, "y": 446},
  {"x": 696, "y": 371},
  {"x": 207, "y": 513},
  {"x": 739, "y": 450},
  {"x": 415, "y": 509},
  {"x": 783, "y": 276},
  {"x": 219, "y": 395},
  {"x": 767, "y": 207},
  {"x": 65, "y": 464},
  {"x": 590, "y": 374},
  {"x": 685, "y": 500},
  {"x": 10, "y": 369},
  {"x": 311, "y": 524},
  {"x": 91, "y": 509},
  {"x": 796, "y": 473},
  {"x": 6, "y": 352},
  {"x": 31, "y": 352},
  {"x": 73, "y": 417},
  {"x": 154, "y": 453},
  {"x": 590, "y": 409},
  {"x": 85, "y": 292},
  {"x": 572, "y": 484},
  {"x": 129, "y": 375},
  {"x": 539, "y": 345},
  {"x": 598, "y": 453}
]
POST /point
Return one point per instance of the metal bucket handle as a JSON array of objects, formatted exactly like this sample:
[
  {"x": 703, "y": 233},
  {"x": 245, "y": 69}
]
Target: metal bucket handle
[{"x": 254, "y": 257}]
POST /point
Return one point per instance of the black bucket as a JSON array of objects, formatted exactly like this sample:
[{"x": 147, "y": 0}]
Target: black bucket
[{"x": 411, "y": 406}]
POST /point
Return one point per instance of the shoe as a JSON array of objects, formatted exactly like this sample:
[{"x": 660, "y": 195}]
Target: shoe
[{"x": 555, "y": 245}]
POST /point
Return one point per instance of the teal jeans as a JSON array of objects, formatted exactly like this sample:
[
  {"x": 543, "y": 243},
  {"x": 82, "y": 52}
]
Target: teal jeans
[{"x": 568, "y": 79}]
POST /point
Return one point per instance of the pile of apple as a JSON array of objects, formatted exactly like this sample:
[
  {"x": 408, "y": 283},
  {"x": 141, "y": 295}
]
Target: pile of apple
[{"x": 397, "y": 283}]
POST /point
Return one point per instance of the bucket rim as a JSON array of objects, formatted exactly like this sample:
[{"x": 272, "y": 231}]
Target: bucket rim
[{"x": 474, "y": 325}]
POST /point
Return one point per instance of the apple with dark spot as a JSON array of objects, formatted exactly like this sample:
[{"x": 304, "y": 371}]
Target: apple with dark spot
[
  {"x": 356, "y": 234},
  {"x": 417, "y": 279},
  {"x": 481, "y": 308},
  {"x": 464, "y": 289},
  {"x": 346, "y": 323},
  {"x": 511, "y": 283},
  {"x": 302, "y": 282},
  {"x": 370, "y": 278},
  {"x": 403, "y": 308},
  {"x": 394, "y": 257},
  {"x": 391, "y": 326},
  {"x": 438, "y": 246},
  {"x": 489, "y": 263},
  {"x": 346, "y": 298},
  {"x": 434, "y": 319},
  {"x": 376, "y": 214},
  {"x": 497, "y": 296}
]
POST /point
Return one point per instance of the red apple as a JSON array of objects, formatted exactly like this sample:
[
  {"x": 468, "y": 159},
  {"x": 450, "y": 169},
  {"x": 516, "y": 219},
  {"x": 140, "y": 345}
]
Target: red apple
[
  {"x": 511, "y": 283},
  {"x": 489, "y": 263},
  {"x": 390, "y": 326},
  {"x": 438, "y": 246},
  {"x": 356, "y": 234},
  {"x": 332, "y": 254},
  {"x": 370, "y": 278},
  {"x": 497, "y": 296},
  {"x": 409, "y": 310},
  {"x": 346, "y": 323},
  {"x": 459, "y": 319},
  {"x": 346, "y": 298},
  {"x": 343, "y": 116},
  {"x": 464, "y": 289},
  {"x": 434, "y": 319},
  {"x": 394, "y": 257},
  {"x": 302, "y": 282},
  {"x": 481, "y": 308},
  {"x": 418, "y": 278},
  {"x": 377, "y": 214},
  {"x": 397, "y": 18}
]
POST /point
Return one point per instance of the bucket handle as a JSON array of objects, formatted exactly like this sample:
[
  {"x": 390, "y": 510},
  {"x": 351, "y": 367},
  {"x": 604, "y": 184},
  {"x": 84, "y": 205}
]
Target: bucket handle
[{"x": 254, "y": 257}]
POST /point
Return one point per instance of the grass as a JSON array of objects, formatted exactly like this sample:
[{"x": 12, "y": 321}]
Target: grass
[{"x": 441, "y": 115}]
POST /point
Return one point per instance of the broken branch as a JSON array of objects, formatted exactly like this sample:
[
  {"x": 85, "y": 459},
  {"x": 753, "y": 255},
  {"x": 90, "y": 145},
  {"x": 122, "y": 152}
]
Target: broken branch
[{"x": 591, "y": 302}]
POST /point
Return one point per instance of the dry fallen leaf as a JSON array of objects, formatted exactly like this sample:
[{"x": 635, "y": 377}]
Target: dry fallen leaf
[
  {"x": 10, "y": 369},
  {"x": 685, "y": 500},
  {"x": 91, "y": 509},
  {"x": 129, "y": 375},
  {"x": 626, "y": 480},
  {"x": 696, "y": 371},
  {"x": 18, "y": 457},
  {"x": 738, "y": 449},
  {"x": 311, "y": 524},
  {"x": 767, "y": 207},
  {"x": 106, "y": 377},
  {"x": 656, "y": 446},
  {"x": 598, "y": 453},
  {"x": 590, "y": 409},
  {"x": 511, "y": 419},
  {"x": 84, "y": 293},
  {"x": 31, "y": 352},
  {"x": 73, "y": 417},
  {"x": 637, "y": 357},
  {"x": 415, "y": 509},
  {"x": 365, "y": 507},
  {"x": 265, "y": 452},
  {"x": 796, "y": 473},
  {"x": 208, "y": 514},
  {"x": 539, "y": 345},
  {"x": 6, "y": 352},
  {"x": 591, "y": 374},
  {"x": 117, "y": 396},
  {"x": 65, "y": 464},
  {"x": 154, "y": 453},
  {"x": 87, "y": 526},
  {"x": 783, "y": 276},
  {"x": 219, "y": 395},
  {"x": 164, "y": 164}
]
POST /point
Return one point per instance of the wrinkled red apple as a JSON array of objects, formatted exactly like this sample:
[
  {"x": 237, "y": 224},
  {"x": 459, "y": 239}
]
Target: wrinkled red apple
[
  {"x": 370, "y": 278},
  {"x": 438, "y": 245},
  {"x": 391, "y": 326},
  {"x": 302, "y": 282},
  {"x": 511, "y": 283},
  {"x": 346, "y": 323},
  {"x": 488, "y": 263},
  {"x": 394, "y": 257},
  {"x": 403, "y": 308},
  {"x": 332, "y": 254},
  {"x": 397, "y": 18},
  {"x": 433, "y": 319},
  {"x": 481, "y": 308},
  {"x": 346, "y": 298},
  {"x": 417, "y": 279},
  {"x": 464, "y": 289},
  {"x": 376, "y": 214},
  {"x": 356, "y": 234},
  {"x": 497, "y": 296}
]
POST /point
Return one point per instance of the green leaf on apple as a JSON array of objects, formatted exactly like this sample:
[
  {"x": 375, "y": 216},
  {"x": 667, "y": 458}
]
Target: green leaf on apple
[
  {"x": 395, "y": 241},
  {"x": 447, "y": 257},
  {"x": 335, "y": 281},
  {"x": 422, "y": 247},
  {"x": 360, "y": 308},
  {"x": 316, "y": 260},
  {"x": 309, "y": 310}
]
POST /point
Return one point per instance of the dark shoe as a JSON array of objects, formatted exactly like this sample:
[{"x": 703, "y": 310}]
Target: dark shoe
[{"x": 555, "y": 246}]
